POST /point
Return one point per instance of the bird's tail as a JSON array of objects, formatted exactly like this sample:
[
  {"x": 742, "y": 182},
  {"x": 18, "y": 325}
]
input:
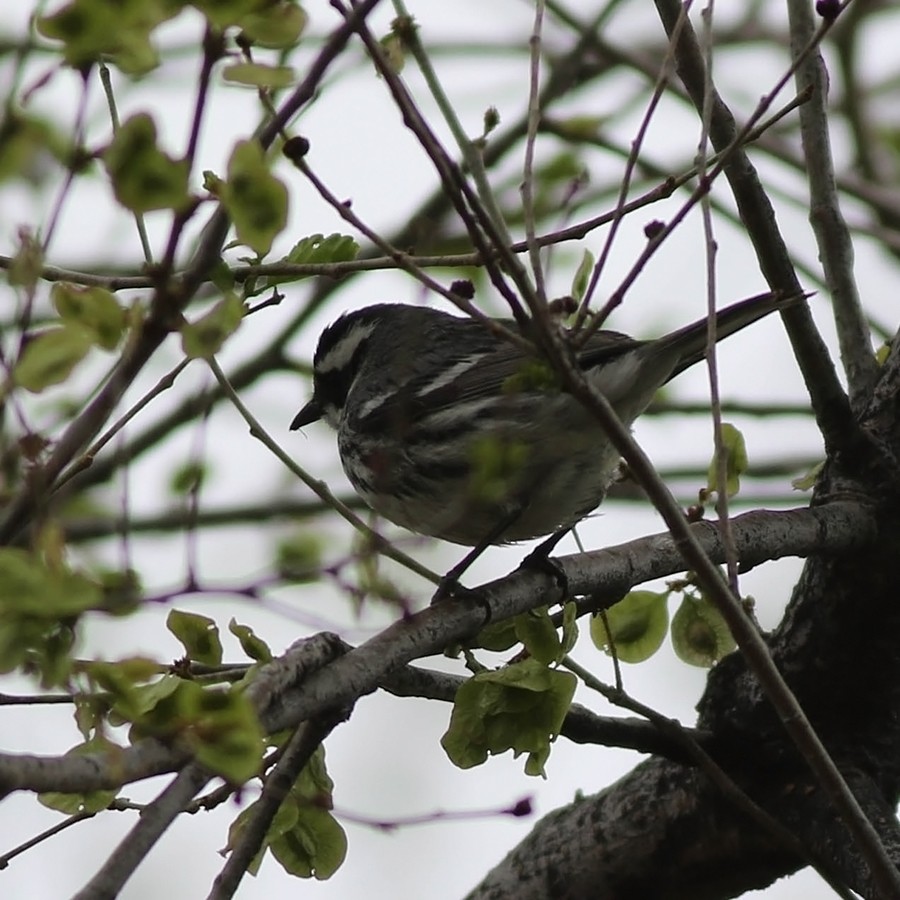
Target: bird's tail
[{"x": 692, "y": 340}]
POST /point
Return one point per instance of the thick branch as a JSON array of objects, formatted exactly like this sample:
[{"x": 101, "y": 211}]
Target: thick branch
[{"x": 606, "y": 575}]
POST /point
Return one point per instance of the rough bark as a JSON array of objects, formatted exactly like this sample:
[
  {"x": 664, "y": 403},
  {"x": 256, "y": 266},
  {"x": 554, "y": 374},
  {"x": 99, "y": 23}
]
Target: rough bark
[{"x": 664, "y": 831}]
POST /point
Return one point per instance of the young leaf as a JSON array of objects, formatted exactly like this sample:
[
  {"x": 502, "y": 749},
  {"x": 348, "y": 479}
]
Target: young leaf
[
  {"x": 93, "y": 308},
  {"x": 394, "y": 51},
  {"x": 50, "y": 357},
  {"x": 299, "y": 557},
  {"x": 256, "y": 200},
  {"x": 807, "y": 481},
  {"x": 582, "y": 275},
  {"x": 222, "y": 13},
  {"x": 223, "y": 731},
  {"x": 199, "y": 635},
  {"x": 143, "y": 177},
  {"x": 276, "y": 25},
  {"x": 316, "y": 846},
  {"x": 27, "y": 143},
  {"x": 520, "y": 707},
  {"x": 304, "y": 837},
  {"x": 535, "y": 629},
  {"x": 316, "y": 248},
  {"x": 259, "y": 75},
  {"x": 637, "y": 625},
  {"x": 204, "y": 337},
  {"x": 700, "y": 636},
  {"x": 29, "y": 587},
  {"x": 188, "y": 478},
  {"x": 498, "y": 636},
  {"x": 569, "y": 626},
  {"x": 735, "y": 451},
  {"x": 253, "y": 645},
  {"x": 120, "y": 29},
  {"x": 92, "y": 801}
]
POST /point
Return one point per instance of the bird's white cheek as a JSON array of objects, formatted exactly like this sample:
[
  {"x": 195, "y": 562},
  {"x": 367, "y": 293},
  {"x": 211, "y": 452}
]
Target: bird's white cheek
[{"x": 332, "y": 415}]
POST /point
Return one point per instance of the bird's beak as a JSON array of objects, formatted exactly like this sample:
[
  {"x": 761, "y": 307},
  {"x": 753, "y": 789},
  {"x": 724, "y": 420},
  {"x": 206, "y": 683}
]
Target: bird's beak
[{"x": 312, "y": 412}]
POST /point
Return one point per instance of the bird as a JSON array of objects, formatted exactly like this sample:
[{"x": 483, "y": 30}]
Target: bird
[{"x": 451, "y": 431}]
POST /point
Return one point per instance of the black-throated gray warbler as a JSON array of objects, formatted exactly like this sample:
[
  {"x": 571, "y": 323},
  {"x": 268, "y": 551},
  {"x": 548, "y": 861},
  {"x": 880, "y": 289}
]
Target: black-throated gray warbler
[{"x": 451, "y": 431}]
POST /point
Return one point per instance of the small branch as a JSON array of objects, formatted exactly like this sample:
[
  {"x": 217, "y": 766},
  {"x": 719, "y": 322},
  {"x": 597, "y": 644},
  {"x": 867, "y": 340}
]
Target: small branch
[
  {"x": 533, "y": 118},
  {"x": 581, "y": 725},
  {"x": 660, "y": 84},
  {"x": 829, "y": 227},
  {"x": 106, "y": 81},
  {"x": 609, "y": 574},
  {"x": 470, "y": 153},
  {"x": 830, "y": 403},
  {"x": 279, "y": 781},
  {"x": 168, "y": 301}
]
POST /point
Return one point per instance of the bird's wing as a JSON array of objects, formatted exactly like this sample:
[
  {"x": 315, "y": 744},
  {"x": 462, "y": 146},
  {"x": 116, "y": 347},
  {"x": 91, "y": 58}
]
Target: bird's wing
[{"x": 476, "y": 365}]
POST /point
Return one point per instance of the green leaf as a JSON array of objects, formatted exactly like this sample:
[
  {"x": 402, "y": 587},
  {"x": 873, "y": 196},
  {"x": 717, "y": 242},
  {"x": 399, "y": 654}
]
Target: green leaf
[
  {"x": 315, "y": 846},
  {"x": 92, "y": 801},
  {"x": 520, "y": 707},
  {"x": 222, "y": 13},
  {"x": 570, "y": 626},
  {"x": 563, "y": 167},
  {"x": 224, "y": 733},
  {"x": 395, "y": 53},
  {"x": 143, "y": 177},
  {"x": 498, "y": 636},
  {"x": 218, "y": 724},
  {"x": 317, "y": 248},
  {"x": 256, "y": 200},
  {"x": 259, "y": 75},
  {"x": 581, "y": 128},
  {"x": 188, "y": 478},
  {"x": 807, "y": 481},
  {"x": 142, "y": 702},
  {"x": 50, "y": 357},
  {"x": 299, "y": 558},
  {"x": 700, "y": 635},
  {"x": 121, "y": 590},
  {"x": 25, "y": 267},
  {"x": 93, "y": 308},
  {"x": 735, "y": 451},
  {"x": 638, "y": 625},
  {"x": 535, "y": 629},
  {"x": 253, "y": 645},
  {"x": 278, "y": 26},
  {"x": 27, "y": 143},
  {"x": 30, "y": 587},
  {"x": 198, "y": 634},
  {"x": 203, "y": 338},
  {"x": 304, "y": 837},
  {"x": 497, "y": 465},
  {"x": 582, "y": 275},
  {"x": 123, "y": 681},
  {"x": 121, "y": 29},
  {"x": 40, "y": 605}
]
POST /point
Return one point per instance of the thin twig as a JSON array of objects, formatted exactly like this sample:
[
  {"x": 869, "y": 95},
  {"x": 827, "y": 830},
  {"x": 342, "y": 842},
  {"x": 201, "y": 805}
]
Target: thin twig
[{"x": 828, "y": 225}]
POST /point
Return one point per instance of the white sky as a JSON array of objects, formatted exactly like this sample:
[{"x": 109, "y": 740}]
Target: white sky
[{"x": 386, "y": 761}]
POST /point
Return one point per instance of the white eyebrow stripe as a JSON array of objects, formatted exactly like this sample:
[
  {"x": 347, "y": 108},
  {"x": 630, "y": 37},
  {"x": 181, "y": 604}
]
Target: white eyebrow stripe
[
  {"x": 449, "y": 375},
  {"x": 342, "y": 352}
]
